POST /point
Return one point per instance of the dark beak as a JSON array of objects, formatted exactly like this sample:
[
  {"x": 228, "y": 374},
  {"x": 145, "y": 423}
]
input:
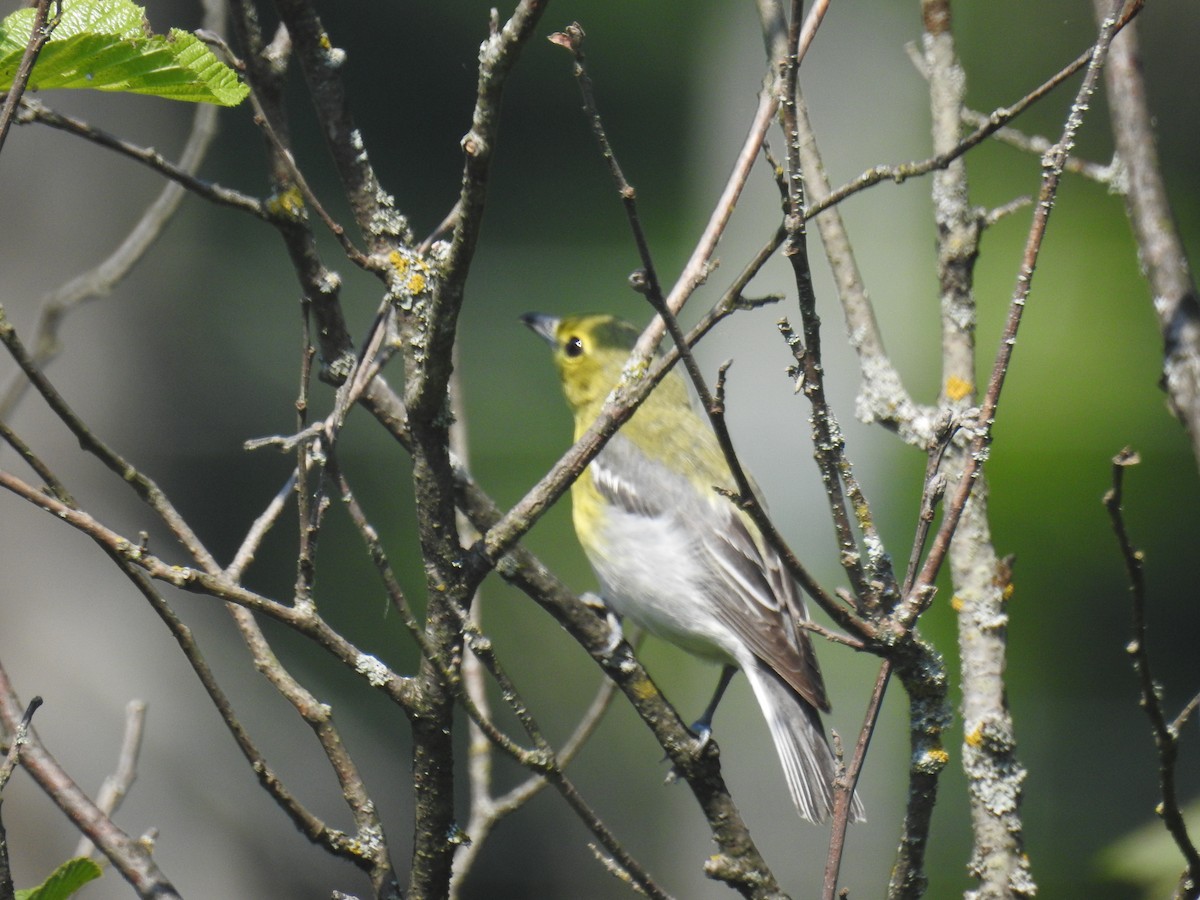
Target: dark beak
[{"x": 544, "y": 325}]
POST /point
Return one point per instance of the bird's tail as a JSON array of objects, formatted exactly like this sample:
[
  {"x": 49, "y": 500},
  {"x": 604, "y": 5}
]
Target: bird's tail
[{"x": 795, "y": 726}]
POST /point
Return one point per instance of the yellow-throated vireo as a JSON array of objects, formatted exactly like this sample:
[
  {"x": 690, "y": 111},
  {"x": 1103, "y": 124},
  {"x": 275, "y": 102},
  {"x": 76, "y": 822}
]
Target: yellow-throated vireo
[{"x": 679, "y": 559}]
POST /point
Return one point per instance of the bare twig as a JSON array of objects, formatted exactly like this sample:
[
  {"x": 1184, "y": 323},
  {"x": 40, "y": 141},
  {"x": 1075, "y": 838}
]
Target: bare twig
[
  {"x": 647, "y": 282},
  {"x": 1166, "y": 736},
  {"x": 1035, "y": 144},
  {"x": 127, "y": 854},
  {"x": 16, "y": 740},
  {"x": 842, "y": 804},
  {"x": 1052, "y": 169},
  {"x": 36, "y": 111},
  {"x": 57, "y": 304},
  {"x": 258, "y": 531},
  {"x": 117, "y": 785},
  {"x": 1161, "y": 252},
  {"x": 263, "y": 121},
  {"x": 306, "y": 622},
  {"x": 544, "y": 760},
  {"x": 381, "y": 224},
  {"x": 42, "y": 27},
  {"x": 901, "y": 172},
  {"x": 145, "y": 488}
]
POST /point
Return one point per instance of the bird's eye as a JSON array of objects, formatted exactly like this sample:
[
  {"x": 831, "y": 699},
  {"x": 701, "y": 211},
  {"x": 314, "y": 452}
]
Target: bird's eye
[{"x": 573, "y": 346}]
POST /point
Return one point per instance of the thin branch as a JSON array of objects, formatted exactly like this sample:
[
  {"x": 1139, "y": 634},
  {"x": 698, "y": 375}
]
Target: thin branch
[
  {"x": 367, "y": 847},
  {"x": 305, "y": 622},
  {"x": 868, "y": 579},
  {"x": 375, "y": 213},
  {"x": 57, "y": 304},
  {"x": 115, "y": 786},
  {"x": 145, "y": 488},
  {"x": 39, "y": 34},
  {"x": 258, "y": 531},
  {"x": 647, "y": 282},
  {"x": 297, "y": 178},
  {"x": 1166, "y": 737},
  {"x": 1108, "y": 174},
  {"x": 842, "y": 804},
  {"x": 1052, "y": 169},
  {"x": 17, "y": 739},
  {"x": 128, "y": 855},
  {"x": 43, "y": 471},
  {"x": 266, "y": 73},
  {"x": 901, "y": 172},
  {"x": 551, "y": 768},
  {"x": 1161, "y": 252},
  {"x": 36, "y": 111}
]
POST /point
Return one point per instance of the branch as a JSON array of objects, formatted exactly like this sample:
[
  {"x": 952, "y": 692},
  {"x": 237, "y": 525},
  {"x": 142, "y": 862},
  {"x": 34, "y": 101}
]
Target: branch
[
  {"x": 646, "y": 281},
  {"x": 305, "y": 622},
  {"x": 56, "y": 305},
  {"x": 114, "y": 787},
  {"x": 1052, "y": 169},
  {"x": 1166, "y": 737},
  {"x": 39, "y": 34},
  {"x": 180, "y": 173},
  {"x": 1160, "y": 251},
  {"x": 128, "y": 855},
  {"x": 901, "y": 172},
  {"x": 143, "y": 486},
  {"x": 17, "y": 739},
  {"x": 375, "y": 211}
]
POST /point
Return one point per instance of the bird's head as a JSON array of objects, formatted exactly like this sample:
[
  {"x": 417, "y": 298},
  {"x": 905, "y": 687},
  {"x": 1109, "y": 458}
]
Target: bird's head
[{"x": 589, "y": 351}]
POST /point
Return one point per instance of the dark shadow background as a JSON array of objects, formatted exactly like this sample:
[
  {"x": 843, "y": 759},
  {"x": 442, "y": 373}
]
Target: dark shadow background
[{"x": 198, "y": 350}]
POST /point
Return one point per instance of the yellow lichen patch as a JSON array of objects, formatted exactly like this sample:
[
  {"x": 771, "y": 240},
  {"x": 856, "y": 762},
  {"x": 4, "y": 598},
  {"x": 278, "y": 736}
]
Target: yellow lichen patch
[
  {"x": 974, "y": 737},
  {"x": 413, "y": 272},
  {"x": 644, "y": 688},
  {"x": 956, "y": 603},
  {"x": 957, "y": 388},
  {"x": 932, "y": 760},
  {"x": 417, "y": 283},
  {"x": 1007, "y": 592}
]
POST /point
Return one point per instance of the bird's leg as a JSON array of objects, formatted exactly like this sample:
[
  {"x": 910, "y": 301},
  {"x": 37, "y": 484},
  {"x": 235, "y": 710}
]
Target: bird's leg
[{"x": 702, "y": 727}]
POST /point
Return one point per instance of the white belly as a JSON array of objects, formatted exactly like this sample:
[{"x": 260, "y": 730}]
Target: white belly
[{"x": 650, "y": 573}]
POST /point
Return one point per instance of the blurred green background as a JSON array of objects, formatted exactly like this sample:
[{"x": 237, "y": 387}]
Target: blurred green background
[{"x": 197, "y": 351}]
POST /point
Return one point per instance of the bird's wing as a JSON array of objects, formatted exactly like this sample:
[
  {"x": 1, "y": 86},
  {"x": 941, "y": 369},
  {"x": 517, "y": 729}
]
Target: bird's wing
[
  {"x": 752, "y": 595},
  {"x": 763, "y": 604}
]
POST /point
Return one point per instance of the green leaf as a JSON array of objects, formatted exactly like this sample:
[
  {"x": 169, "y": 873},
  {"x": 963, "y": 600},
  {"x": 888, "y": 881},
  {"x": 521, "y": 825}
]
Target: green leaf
[
  {"x": 107, "y": 45},
  {"x": 63, "y": 881}
]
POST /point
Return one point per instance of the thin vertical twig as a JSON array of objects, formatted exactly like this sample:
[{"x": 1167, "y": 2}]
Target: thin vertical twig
[
  {"x": 1166, "y": 735},
  {"x": 117, "y": 785},
  {"x": 39, "y": 34},
  {"x": 1161, "y": 253}
]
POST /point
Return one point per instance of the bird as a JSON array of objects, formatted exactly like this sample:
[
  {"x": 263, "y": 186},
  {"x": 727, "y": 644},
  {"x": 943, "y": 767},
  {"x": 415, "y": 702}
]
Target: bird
[{"x": 674, "y": 554}]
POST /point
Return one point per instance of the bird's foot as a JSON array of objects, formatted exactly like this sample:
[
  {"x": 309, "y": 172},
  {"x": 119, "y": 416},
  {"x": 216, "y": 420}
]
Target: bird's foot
[
  {"x": 616, "y": 633},
  {"x": 702, "y": 729}
]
